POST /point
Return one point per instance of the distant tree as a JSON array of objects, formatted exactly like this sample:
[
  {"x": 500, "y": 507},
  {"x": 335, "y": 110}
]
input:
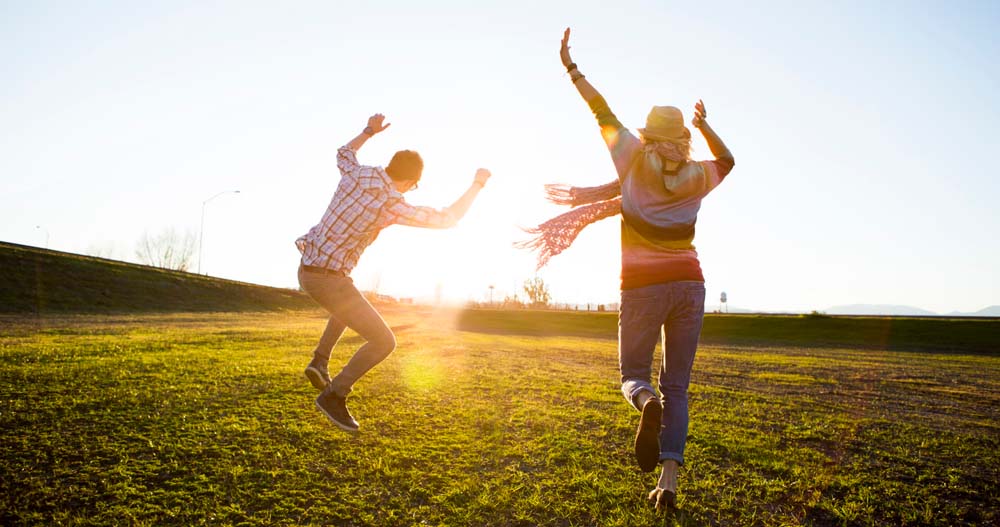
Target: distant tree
[
  {"x": 512, "y": 302},
  {"x": 537, "y": 291},
  {"x": 168, "y": 249}
]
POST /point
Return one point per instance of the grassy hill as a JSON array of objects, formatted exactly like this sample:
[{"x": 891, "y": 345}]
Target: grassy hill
[{"x": 39, "y": 281}]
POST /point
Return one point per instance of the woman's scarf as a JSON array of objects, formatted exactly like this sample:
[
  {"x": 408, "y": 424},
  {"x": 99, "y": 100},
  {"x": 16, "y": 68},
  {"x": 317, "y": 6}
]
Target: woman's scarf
[{"x": 557, "y": 234}]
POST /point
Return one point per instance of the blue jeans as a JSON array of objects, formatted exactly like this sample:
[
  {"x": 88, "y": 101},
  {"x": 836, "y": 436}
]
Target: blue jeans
[
  {"x": 673, "y": 312},
  {"x": 348, "y": 309}
]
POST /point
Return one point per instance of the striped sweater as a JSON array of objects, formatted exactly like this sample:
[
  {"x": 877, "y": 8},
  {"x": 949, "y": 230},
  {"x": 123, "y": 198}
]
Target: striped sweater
[{"x": 659, "y": 210}]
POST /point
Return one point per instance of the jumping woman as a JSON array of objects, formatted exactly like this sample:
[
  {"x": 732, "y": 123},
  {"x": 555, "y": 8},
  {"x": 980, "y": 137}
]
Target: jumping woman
[{"x": 658, "y": 193}]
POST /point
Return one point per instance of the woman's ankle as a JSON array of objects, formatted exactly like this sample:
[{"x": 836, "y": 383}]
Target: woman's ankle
[
  {"x": 668, "y": 475},
  {"x": 643, "y": 397}
]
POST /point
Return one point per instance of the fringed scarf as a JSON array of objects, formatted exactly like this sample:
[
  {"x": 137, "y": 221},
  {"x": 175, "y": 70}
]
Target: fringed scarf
[{"x": 557, "y": 234}]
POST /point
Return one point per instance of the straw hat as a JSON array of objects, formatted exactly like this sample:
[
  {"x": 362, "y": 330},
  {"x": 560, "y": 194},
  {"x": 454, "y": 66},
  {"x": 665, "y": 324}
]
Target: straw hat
[{"x": 665, "y": 123}]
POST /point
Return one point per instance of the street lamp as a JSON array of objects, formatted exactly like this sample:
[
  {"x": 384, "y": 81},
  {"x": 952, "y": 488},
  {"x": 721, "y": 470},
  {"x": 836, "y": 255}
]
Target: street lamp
[
  {"x": 46, "y": 235},
  {"x": 201, "y": 232}
]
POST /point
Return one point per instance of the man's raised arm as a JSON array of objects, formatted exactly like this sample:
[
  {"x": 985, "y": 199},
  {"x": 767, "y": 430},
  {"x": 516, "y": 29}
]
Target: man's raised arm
[
  {"x": 403, "y": 213},
  {"x": 347, "y": 162}
]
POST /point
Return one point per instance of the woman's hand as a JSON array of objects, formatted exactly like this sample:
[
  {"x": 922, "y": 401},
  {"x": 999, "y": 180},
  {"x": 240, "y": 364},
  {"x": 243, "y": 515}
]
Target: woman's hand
[
  {"x": 699, "y": 114},
  {"x": 564, "y": 50},
  {"x": 375, "y": 124}
]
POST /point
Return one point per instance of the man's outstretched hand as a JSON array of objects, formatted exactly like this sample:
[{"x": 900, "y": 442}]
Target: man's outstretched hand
[
  {"x": 481, "y": 176},
  {"x": 375, "y": 123}
]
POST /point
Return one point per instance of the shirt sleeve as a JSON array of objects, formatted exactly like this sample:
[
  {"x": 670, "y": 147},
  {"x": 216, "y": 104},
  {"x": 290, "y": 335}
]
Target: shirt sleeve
[
  {"x": 402, "y": 213},
  {"x": 716, "y": 170},
  {"x": 621, "y": 142},
  {"x": 347, "y": 161}
]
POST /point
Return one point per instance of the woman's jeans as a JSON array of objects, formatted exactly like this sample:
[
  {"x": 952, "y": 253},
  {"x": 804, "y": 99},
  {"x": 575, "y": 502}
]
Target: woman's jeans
[
  {"x": 348, "y": 309},
  {"x": 672, "y": 311}
]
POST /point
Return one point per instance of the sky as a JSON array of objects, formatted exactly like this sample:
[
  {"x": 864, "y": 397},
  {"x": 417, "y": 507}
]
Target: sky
[{"x": 864, "y": 134}]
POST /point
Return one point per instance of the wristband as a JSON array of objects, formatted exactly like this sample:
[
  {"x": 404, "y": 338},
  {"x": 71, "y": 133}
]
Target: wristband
[
  {"x": 368, "y": 131},
  {"x": 571, "y": 67}
]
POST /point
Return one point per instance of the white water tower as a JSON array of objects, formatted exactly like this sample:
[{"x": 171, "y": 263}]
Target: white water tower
[{"x": 722, "y": 298}]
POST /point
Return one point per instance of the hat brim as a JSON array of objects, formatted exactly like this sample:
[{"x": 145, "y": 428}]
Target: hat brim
[{"x": 653, "y": 136}]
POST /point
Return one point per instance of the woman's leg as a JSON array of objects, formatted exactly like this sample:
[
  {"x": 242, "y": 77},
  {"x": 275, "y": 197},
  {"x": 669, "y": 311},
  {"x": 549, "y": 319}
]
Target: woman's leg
[
  {"x": 640, "y": 322},
  {"x": 681, "y": 331},
  {"x": 639, "y": 328}
]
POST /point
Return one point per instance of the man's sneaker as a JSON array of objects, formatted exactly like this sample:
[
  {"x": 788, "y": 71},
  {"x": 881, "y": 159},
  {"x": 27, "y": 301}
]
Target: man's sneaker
[
  {"x": 335, "y": 409},
  {"x": 647, "y": 436},
  {"x": 318, "y": 375}
]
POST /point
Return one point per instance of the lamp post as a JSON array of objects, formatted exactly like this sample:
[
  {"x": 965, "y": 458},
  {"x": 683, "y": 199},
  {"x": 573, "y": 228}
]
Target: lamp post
[
  {"x": 46, "y": 235},
  {"x": 201, "y": 231}
]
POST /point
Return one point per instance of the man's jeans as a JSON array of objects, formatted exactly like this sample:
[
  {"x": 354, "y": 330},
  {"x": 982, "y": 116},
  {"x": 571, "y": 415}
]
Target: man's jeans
[
  {"x": 348, "y": 308},
  {"x": 672, "y": 311}
]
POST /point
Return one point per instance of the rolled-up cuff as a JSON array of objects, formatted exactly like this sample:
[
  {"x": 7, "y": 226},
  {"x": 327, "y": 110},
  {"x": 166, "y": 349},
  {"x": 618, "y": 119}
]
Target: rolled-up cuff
[
  {"x": 631, "y": 389},
  {"x": 679, "y": 458}
]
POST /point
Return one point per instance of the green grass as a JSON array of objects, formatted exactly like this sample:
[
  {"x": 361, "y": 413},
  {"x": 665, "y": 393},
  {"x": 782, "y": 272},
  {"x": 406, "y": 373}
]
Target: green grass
[
  {"x": 41, "y": 281},
  {"x": 191, "y": 419}
]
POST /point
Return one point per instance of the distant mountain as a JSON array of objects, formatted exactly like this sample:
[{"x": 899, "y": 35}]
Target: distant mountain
[
  {"x": 992, "y": 311},
  {"x": 879, "y": 309}
]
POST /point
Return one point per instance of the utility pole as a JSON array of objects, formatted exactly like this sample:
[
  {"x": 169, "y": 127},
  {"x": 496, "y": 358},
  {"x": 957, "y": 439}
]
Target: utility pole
[{"x": 201, "y": 232}]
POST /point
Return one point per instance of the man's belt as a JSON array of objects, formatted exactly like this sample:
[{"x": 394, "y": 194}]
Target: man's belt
[{"x": 322, "y": 270}]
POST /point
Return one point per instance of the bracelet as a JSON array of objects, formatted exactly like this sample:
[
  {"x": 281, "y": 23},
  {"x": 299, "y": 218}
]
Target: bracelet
[
  {"x": 571, "y": 67},
  {"x": 368, "y": 131},
  {"x": 582, "y": 76}
]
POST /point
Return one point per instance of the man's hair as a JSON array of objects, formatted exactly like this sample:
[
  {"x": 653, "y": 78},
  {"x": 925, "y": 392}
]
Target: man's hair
[{"x": 405, "y": 165}]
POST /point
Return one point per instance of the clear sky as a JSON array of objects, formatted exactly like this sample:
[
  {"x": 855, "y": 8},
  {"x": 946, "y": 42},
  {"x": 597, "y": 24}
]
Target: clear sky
[{"x": 865, "y": 135}]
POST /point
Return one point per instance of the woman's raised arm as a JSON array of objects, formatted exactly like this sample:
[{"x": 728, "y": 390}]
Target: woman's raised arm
[{"x": 587, "y": 91}]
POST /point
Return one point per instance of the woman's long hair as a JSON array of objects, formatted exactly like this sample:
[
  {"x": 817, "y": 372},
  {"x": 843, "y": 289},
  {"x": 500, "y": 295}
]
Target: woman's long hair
[{"x": 664, "y": 157}]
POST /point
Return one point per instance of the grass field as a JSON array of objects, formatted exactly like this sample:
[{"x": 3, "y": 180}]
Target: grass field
[{"x": 189, "y": 419}]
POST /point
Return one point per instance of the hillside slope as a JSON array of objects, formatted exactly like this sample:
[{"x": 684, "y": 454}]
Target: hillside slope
[{"x": 40, "y": 281}]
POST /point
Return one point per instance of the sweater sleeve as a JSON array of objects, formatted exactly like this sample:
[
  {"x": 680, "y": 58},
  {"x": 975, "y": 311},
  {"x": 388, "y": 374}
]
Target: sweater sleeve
[{"x": 622, "y": 144}]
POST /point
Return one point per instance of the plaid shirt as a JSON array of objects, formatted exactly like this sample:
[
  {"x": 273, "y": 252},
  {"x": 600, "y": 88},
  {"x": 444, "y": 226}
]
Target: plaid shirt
[{"x": 365, "y": 203}]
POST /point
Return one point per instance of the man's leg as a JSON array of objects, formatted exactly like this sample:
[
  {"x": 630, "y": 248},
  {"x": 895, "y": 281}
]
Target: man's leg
[
  {"x": 346, "y": 304},
  {"x": 318, "y": 369},
  {"x": 639, "y": 326},
  {"x": 360, "y": 316}
]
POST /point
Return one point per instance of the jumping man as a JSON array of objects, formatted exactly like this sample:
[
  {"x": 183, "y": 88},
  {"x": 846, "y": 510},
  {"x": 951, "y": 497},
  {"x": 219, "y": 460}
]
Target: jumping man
[{"x": 368, "y": 199}]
